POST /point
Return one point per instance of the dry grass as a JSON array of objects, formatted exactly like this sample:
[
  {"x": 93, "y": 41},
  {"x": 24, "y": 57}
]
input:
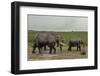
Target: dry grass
[{"x": 65, "y": 54}]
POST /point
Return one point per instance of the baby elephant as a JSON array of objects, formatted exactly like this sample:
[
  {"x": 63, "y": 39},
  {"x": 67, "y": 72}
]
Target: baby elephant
[{"x": 75, "y": 43}]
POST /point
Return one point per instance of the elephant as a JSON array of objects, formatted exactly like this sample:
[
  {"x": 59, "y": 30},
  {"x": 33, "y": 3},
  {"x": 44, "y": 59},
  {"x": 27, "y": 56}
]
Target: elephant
[
  {"x": 75, "y": 43},
  {"x": 49, "y": 39}
]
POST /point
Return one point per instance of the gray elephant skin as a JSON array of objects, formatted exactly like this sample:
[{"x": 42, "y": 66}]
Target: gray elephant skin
[
  {"x": 75, "y": 43},
  {"x": 49, "y": 39}
]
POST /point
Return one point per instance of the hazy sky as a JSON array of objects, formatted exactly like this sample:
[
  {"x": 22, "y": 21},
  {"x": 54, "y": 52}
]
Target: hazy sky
[{"x": 57, "y": 23}]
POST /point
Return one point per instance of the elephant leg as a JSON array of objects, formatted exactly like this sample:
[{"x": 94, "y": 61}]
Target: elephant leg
[
  {"x": 50, "y": 50},
  {"x": 54, "y": 50},
  {"x": 57, "y": 43},
  {"x": 39, "y": 50},
  {"x": 60, "y": 48},
  {"x": 79, "y": 48},
  {"x": 69, "y": 49},
  {"x": 45, "y": 48},
  {"x": 34, "y": 47}
]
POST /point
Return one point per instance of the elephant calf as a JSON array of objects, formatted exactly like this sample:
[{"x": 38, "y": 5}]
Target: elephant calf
[{"x": 75, "y": 43}]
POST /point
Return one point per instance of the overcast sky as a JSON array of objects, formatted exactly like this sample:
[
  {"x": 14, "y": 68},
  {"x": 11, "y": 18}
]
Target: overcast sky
[{"x": 57, "y": 23}]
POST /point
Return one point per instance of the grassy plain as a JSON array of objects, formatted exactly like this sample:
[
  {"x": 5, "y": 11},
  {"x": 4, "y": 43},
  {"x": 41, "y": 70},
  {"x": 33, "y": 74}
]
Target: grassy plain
[{"x": 74, "y": 54}]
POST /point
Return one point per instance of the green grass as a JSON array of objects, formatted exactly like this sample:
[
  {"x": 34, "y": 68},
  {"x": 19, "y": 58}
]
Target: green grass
[
  {"x": 31, "y": 36},
  {"x": 75, "y": 35},
  {"x": 66, "y": 36}
]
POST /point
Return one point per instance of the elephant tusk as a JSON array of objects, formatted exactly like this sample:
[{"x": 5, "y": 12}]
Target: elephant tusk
[{"x": 62, "y": 44}]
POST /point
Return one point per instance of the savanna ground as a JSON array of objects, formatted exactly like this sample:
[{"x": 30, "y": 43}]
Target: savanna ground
[{"x": 65, "y": 54}]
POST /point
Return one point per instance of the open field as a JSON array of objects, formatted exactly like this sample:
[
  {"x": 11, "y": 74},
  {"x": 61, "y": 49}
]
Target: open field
[{"x": 74, "y": 54}]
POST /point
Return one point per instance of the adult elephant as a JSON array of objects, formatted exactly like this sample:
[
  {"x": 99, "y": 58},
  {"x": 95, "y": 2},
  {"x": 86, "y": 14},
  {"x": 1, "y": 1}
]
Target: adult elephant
[
  {"x": 44, "y": 39},
  {"x": 75, "y": 43}
]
